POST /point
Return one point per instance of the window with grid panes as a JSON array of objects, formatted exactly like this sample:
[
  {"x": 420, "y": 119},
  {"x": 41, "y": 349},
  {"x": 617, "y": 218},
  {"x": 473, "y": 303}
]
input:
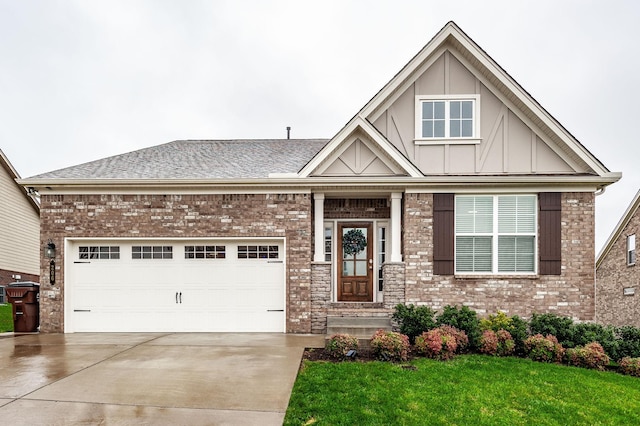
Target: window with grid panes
[{"x": 495, "y": 233}]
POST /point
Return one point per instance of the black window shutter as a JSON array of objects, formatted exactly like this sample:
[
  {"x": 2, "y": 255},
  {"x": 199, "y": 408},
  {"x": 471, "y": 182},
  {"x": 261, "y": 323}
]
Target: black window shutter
[
  {"x": 443, "y": 234},
  {"x": 550, "y": 206}
]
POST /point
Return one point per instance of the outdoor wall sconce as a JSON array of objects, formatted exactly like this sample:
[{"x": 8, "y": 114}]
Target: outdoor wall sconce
[{"x": 50, "y": 252}]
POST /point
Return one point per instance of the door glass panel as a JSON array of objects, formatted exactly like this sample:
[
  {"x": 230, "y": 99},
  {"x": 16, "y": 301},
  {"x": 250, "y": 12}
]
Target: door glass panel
[
  {"x": 347, "y": 269},
  {"x": 361, "y": 267}
]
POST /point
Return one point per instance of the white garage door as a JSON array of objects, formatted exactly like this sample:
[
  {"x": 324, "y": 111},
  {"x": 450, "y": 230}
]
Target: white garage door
[{"x": 176, "y": 285}]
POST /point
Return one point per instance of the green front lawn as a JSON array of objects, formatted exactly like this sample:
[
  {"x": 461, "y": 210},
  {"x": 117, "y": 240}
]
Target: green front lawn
[
  {"x": 471, "y": 389},
  {"x": 6, "y": 317}
]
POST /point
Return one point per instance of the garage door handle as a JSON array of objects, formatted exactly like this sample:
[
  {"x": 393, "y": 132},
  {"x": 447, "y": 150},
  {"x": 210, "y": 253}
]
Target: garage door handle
[
  {"x": 176, "y": 297},
  {"x": 180, "y": 297}
]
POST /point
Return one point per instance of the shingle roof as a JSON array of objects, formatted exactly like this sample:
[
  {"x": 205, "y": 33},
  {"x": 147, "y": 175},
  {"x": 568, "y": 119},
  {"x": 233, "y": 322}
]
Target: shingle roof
[{"x": 200, "y": 159}]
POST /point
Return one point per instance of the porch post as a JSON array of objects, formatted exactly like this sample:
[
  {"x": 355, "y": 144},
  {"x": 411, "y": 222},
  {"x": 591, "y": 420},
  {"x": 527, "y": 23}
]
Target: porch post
[
  {"x": 396, "y": 214},
  {"x": 318, "y": 212}
]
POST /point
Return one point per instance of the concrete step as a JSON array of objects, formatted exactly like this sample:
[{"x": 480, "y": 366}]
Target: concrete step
[
  {"x": 361, "y": 327},
  {"x": 341, "y": 321}
]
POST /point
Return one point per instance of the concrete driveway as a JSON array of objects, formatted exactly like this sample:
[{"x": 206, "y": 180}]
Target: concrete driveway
[{"x": 149, "y": 378}]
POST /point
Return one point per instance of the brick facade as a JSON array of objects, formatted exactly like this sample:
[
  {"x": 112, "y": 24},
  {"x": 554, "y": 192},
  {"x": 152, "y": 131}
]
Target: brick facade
[
  {"x": 570, "y": 294},
  {"x": 613, "y": 276},
  {"x": 183, "y": 216},
  {"x": 6, "y": 277},
  {"x": 309, "y": 284}
]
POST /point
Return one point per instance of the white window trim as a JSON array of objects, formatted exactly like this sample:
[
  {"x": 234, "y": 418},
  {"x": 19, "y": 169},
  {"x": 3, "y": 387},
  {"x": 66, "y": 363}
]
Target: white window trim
[
  {"x": 494, "y": 240},
  {"x": 419, "y": 140}
]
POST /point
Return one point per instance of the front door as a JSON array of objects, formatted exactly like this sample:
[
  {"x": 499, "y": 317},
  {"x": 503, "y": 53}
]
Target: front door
[{"x": 355, "y": 267}]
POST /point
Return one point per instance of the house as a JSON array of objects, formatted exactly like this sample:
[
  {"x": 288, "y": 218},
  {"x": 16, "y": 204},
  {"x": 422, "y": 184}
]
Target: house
[
  {"x": 617, "y": 276},
  {"x": 452, "y": 185},
  {"x": 20, "y": 228}
]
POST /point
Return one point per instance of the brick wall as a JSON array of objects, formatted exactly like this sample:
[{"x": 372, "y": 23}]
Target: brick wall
[
  {"x": 183, "y": 216},
  {"x": 571, "y": 293},
  {"x": 6, "y": 277},
  {"x": 350, "y": 208},
  {"x": 613, "y": 276}
]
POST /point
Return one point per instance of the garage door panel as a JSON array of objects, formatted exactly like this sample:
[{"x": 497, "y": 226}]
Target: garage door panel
[{"x": 182, "y": 293}]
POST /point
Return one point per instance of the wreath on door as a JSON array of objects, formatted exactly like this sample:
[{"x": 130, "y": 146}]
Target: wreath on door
[{"x": 353, "y": 242}]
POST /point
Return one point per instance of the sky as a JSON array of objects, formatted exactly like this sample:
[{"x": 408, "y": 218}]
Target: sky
[{"x": 82, "y": 80}]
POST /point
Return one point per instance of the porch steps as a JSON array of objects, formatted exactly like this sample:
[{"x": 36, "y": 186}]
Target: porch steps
[{"x": 362, "y": 327}]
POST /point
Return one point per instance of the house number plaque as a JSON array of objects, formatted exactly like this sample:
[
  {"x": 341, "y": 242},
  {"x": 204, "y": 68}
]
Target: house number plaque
[{"x": 52, "y": 271}]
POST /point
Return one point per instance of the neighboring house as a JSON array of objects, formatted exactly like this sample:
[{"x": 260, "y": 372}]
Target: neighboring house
[
  {"x": 19, "y": 229},
  {"x": 451, "y": 186},
  {"x": 617, "y": 272}
]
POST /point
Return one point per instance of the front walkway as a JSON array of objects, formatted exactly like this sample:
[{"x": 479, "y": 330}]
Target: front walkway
[{"x": 149, "y": 378}]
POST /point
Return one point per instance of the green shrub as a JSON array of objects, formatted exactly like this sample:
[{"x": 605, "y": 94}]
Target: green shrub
[
  {"x": 628, "y": 339},
  {"x": 496, "y": 322},
  {"x": 544, "y": 349},
  {"x": 519, "y": 332},
  {"x": 555, "y": 325},
  {"x": 630, "y": 366},
  {"x": 339, "y": 345},
  {"x": 390, "y": 346},
  {"x": 463, "y": 319},
  {"x": 414, "y": 320},
  {"x": 591, "y": 355},
  {"x": 584, "y": 333}
]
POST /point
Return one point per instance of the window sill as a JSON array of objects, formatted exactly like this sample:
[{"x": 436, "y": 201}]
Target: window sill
[
  {"x": 448, "y": 141},
  {"x": 530, "y": 276}
]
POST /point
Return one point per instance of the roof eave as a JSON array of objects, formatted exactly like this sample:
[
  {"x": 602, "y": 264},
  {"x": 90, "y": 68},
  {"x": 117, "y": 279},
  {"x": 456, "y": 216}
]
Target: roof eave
[{"x": 589, "y": 182}]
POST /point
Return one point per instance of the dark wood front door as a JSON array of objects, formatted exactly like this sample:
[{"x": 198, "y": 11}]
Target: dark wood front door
[{"x": 355, "y": 262}]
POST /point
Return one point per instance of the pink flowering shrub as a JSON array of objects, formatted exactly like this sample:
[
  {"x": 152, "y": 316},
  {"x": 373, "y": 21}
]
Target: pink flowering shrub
[
  {"x": 461, "y": 337},
  {"x": 442, "y": 342},
  {"x": 339, "y": 345},
  {"x": 506, "y": 345},
  {"x": 544, "y": 349},
  {"x": 590, "y": 355},
  {"x": 630, "y": 366},
  {"x": 390, "y": 346},
  {"x": 489, "y": 342},
  {"x": 497, "y": 343}
]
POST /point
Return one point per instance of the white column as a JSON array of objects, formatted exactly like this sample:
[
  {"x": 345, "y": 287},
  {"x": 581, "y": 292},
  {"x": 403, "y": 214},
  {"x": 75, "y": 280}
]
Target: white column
[
  {"x": 318, "y": 212},
  {"x": 396, "y": 214}
]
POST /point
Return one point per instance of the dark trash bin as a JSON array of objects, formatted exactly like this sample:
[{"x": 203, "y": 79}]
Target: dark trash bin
[{"x": 25, "y": 298}]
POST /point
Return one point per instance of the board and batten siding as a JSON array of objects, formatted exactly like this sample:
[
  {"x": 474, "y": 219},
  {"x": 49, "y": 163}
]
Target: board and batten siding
[
  {"x": 20, "y": 228},
  {"x": 508, "y": 141}
]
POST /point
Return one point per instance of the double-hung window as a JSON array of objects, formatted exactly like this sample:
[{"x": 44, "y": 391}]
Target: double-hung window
[
  {"x": 495, "y": 233},
  {"x": 631, "y": 250},
  {"x": 451, "y": 118}
]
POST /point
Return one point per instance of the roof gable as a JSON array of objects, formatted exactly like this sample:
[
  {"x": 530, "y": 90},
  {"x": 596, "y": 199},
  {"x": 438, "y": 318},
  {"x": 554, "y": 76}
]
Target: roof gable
[
  {"x": 569, "y": 156},
  {"x": 359, "y": 150},
  {"x": 631, "y": 211}
]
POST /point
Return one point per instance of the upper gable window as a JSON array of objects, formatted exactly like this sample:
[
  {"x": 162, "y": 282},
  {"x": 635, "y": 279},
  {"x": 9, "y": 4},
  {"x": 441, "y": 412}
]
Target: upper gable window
[{"x": 447, "y": 118}]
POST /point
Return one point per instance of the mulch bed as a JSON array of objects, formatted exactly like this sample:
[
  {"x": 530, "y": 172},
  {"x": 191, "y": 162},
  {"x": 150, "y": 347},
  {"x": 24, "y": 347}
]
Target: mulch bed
[{"x": 363, "y": 355}]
